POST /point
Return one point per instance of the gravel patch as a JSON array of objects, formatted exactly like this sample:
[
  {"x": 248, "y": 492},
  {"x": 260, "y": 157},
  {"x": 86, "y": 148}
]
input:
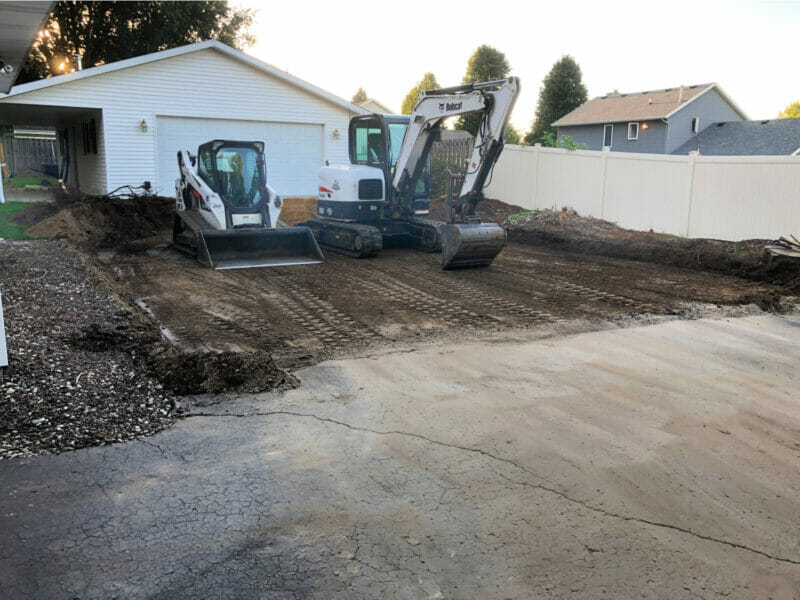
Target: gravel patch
[{"x": 76, "y": 377}]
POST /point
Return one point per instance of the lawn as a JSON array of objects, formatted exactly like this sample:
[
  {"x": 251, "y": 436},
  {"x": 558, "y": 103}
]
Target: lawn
[
  {"x": 21, "y": 182},
  {"x": 9, "y": 229}
]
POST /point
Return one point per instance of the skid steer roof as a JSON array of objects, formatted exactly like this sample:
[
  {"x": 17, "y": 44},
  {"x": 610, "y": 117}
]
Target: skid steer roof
[{"x": 215, "y": 145}]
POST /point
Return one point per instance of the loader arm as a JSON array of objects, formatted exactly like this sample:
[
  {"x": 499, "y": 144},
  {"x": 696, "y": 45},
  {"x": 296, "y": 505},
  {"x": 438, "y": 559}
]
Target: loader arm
[{"x": 495, "y": 99}]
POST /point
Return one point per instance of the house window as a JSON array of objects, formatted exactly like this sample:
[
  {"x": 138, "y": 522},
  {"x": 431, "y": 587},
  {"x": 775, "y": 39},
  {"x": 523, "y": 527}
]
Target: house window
[
  {"x": 608, "y": 134},
  {"x": 695, "y": 124},
  {"x": 633, "y": 131}
]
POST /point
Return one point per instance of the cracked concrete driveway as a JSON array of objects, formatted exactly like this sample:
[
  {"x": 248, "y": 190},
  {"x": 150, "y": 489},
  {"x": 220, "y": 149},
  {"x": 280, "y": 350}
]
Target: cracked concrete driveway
[{"x": 656, "y": 462}]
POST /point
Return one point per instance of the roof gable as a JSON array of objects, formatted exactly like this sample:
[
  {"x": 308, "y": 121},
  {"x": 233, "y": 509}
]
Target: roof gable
[
  {"x": 639, "y": 106},
  {"x": 182, "y": 50}
]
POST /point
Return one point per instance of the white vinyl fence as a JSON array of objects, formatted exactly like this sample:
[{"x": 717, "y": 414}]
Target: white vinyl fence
[{"x": 720, "y": 197}]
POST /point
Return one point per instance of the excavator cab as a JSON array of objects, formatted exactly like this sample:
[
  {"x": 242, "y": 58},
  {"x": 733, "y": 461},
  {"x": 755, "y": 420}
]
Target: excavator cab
[
  {"x": 227, "y": 215},
  {"x": 375, "y": 141}
]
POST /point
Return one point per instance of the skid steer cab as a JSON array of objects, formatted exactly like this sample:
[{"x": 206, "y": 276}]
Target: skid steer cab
[{"x": 227, "y": 216}]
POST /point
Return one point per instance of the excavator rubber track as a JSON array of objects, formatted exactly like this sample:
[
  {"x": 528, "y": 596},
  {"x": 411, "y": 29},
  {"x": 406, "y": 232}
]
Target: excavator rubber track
[{"x": 351, "y": 239}]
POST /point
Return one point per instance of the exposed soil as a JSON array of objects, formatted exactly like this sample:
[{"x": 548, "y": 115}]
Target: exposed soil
[
  {"x": 202, "y": 330},
  {"x": 101, "y": 222}
]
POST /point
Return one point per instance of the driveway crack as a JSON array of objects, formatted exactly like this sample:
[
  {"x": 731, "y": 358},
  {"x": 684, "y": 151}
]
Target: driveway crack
[{"x": 526, "y": 470}]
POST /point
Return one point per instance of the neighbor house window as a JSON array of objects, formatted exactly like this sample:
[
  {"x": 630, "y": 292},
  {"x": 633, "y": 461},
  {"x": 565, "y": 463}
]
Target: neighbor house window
[
  {"x": 695, "y": 124},
  {"x": 633, "y": 131},
  {"x": 608, "y": 133}
]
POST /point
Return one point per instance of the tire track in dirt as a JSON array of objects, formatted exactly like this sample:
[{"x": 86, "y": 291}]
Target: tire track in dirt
[{"x": 453, "y": 284}]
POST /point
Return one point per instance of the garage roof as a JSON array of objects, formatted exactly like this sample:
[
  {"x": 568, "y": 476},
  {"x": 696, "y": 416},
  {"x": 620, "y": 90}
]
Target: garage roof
[
  {"x": 165, "y": 54},
  {"x": 19, "y": 24}
]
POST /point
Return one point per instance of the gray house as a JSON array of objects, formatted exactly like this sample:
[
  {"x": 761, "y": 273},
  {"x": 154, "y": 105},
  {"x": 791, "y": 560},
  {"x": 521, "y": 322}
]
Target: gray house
[
  {"x": 656, "y": 121},
  {"x": 776, "y": 137}
]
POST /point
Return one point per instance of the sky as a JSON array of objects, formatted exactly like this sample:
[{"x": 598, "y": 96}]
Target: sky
[{"x": 750, "y": 48}]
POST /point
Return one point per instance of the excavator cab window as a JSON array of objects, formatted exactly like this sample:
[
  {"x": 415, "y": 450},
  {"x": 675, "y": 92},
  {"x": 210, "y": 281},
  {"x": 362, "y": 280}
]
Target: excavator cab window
[{"x": 368, "y": 142}]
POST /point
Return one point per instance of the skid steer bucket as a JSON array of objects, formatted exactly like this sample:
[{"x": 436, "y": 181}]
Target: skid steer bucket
[
  {"x": 246, "y": 248},
  {"x": 471, "y": 245}
]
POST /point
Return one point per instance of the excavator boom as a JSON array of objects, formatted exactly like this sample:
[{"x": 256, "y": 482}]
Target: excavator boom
[{"x": 466, "y": 242}]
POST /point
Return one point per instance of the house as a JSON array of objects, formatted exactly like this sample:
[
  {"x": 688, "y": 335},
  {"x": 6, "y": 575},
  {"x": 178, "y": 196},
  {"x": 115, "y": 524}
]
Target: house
[
  {"x": 657, "y": 121},
  {"x": 775, "y": 137},
  {"x": 373, "y": 106},
  {"x": 123, "y": 123}
]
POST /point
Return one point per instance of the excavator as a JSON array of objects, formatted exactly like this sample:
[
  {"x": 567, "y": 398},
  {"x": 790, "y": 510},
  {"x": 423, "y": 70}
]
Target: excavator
[
  {"x": 226, "y": 215},
  {"x": 375, "y": 199}
]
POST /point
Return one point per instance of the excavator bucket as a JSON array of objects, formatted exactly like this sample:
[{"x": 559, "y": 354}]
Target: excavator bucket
[
  {"x": 471, "y": 245},
  {"x": 246, "y": 248}
]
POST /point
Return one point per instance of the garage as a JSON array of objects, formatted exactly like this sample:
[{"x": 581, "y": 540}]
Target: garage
[
  {"x": 293, "y": 150},
  {"x": 175, "y": 100}
]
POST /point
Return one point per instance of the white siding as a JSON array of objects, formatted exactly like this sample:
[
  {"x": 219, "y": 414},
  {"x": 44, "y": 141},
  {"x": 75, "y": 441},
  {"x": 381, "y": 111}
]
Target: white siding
[
  {"x": 728, "y": 198},
  {"x": 88, "y": 169},
  {"x": 202, "y": 84}
]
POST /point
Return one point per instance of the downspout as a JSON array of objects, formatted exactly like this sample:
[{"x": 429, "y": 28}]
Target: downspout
[{"x": 666, "y": 135}]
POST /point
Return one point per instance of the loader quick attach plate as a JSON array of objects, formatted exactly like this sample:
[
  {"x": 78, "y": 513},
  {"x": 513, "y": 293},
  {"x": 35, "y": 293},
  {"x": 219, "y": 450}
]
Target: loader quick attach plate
[
  {"x": 471, "y": 245},
  {"x": 258, "y": 247}
]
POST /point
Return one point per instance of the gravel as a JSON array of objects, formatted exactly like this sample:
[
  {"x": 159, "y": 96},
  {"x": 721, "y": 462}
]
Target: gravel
[{"x": 76, "y": 377}]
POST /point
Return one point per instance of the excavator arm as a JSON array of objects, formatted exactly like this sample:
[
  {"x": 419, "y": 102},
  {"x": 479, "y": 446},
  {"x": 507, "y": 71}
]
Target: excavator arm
[{"x": 495, "y": 99}]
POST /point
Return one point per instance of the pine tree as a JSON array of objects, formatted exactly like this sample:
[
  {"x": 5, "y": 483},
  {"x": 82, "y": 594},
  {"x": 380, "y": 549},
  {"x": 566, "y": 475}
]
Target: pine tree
[
  {"x": 360, "y": 95},
  {"x": 562, "y": 92},
  {"x": 485, "y": 64},
  {"x": 428, "y": 82}
]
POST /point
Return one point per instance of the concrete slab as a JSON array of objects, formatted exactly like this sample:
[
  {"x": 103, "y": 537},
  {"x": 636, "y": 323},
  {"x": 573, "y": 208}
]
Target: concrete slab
[{"x": 656, "y": 462}]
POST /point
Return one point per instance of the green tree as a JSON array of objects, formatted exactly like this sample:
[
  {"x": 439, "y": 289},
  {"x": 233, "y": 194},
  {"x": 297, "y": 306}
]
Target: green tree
[
  {"x": 549, "y": 140},
  {"x": 428, "y": 82},
  {"x": 790, "y": 112},
  {"x": 511, "y": 135},
  {"x": 104, "y": 32},
  {"x": 562, "y": 91},
  {"x": 485, "y": 64},
  {"x": 360, "y": 95}
]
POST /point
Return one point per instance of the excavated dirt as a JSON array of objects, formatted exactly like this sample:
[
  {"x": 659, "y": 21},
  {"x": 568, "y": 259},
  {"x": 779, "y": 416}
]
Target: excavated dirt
[
  {"x": 208, "y": 331},
  {"x": 101, "y": 222}
]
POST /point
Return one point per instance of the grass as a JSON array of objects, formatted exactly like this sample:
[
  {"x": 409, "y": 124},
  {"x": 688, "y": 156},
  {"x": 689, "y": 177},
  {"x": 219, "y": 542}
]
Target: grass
[
  {"x": 519, "y": 217},
  {"x": 8, "y": 229},
  {"x": 21, "y": 182}
]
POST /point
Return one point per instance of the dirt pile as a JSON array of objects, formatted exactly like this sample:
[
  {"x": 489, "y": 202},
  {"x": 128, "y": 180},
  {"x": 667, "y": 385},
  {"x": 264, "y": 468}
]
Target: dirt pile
[
  {"x": 215, "y": 372},
  {"x": 568, "y": 231},
  {"x": 297, "y": 209},
  {"x": 104, "y": 222}
]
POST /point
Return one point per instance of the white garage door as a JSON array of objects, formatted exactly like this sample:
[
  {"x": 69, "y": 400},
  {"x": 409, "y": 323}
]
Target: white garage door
[{"x": 293, "y": 151}]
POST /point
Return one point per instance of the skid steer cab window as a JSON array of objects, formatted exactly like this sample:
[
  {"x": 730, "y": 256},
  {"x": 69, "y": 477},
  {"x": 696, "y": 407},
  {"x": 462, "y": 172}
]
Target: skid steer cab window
[
  {"x": 369, "y": 147},
  {"x": 240, "y": 176}
]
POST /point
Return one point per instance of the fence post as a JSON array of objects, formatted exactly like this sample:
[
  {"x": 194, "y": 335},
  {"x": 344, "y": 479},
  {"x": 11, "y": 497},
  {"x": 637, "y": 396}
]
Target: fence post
[
  {"x": 692, "y": 161},
  {"x": 606, "y": 150},
  {"x": 536, "y": 151}
]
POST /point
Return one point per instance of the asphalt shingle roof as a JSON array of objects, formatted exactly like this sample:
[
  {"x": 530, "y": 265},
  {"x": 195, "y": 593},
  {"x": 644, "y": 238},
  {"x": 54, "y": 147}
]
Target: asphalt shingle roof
[
  {"x": 636, "y": 106},
  {"x": 745, "y": 138}
]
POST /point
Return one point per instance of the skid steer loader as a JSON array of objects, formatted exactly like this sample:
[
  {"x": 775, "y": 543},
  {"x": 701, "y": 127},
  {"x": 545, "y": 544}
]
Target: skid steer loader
[
  {"x": 227, "y": 216},
  {"x": 370, "y": 201}
]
